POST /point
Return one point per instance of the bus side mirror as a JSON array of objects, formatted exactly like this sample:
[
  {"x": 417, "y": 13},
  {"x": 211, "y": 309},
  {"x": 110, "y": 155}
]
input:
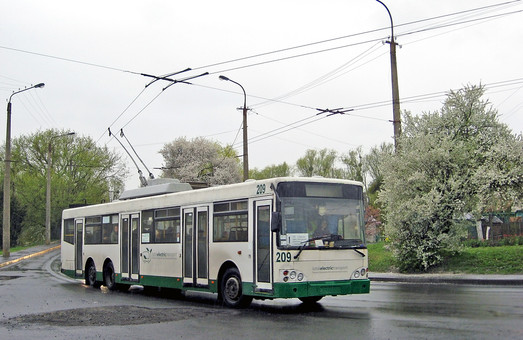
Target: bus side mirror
[{"x": 276, "y": 221}]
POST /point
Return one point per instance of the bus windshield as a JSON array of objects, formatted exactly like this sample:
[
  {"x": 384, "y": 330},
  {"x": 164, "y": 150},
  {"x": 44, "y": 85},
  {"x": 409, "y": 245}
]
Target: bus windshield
[{"x": 334, "y": 220}]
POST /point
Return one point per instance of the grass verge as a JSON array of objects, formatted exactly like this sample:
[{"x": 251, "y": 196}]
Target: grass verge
[
  {"x": 380, "y": 258},
  {"x": 487, "y": 260},
  {"x": 482, "y": 260}
]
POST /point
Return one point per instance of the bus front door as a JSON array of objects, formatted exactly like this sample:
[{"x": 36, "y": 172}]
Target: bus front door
[
  {"x": 263, "y": 245},
  {"x": 130, "y": 247},
  {"x": 196, "y": 246},
  {"x": 78, "y": 251}
]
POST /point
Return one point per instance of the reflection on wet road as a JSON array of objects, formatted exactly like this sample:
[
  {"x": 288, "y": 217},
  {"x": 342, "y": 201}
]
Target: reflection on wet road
[{"x": 37, "y": 302}]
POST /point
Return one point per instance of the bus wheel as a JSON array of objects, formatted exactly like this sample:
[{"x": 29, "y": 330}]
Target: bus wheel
[
  {"x": 309, "y": 300},
  {"x": 231, "y": 290},
  {"x": 90, "y": 275},
  {"x": 109, "y": 280}
]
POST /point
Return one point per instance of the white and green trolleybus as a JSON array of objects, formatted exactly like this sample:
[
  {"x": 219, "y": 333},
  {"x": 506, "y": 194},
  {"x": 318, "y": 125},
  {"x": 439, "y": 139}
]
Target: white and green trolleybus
[{"x": 275, "y": 238}]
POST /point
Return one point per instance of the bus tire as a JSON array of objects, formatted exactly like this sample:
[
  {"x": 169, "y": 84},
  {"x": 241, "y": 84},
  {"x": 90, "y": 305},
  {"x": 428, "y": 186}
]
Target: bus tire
[
  {"x": 309, "y": 300},
  {"x": 90, "y": 275},
  {"x": 231, "y": 290},
  {"x": 109, "y": 277}
]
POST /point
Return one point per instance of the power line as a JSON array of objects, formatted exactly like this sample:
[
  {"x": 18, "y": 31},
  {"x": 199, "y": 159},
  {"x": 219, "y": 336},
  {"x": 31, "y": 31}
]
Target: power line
[
  {"x": 125, "y": 110},
  {"x": 68, "y": 60},
  {"x": 312, "y": 84},
  {"x": 279, "y": 50},
  {"x": 348, "y": 36},
  {"x": 309, "y": 120}
]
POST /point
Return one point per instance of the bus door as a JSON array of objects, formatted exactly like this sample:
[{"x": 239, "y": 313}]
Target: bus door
[
  {"x": 196, "y": 246},
  {"x": 130, "y": 246},
  {"x": 78, "y": 246},
  {"x": 263, "y": 246}
]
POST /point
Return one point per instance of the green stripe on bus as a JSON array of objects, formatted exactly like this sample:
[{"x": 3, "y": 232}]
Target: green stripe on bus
[
  {"x": 321, "y": 288},
  {"x": 304, "y": 289}
]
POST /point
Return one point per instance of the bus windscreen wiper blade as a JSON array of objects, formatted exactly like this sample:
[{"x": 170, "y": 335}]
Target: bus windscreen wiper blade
[
  {"x": 305, "y": 243},
  {"x": 333, "y": 237},
  {"x": 357, "y": 251}
]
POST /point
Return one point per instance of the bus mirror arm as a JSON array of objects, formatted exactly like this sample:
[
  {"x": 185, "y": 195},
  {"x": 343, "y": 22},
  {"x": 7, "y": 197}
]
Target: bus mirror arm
[
  {"x": 276, "y": 216},
  {"x": 275, "y": 221}
]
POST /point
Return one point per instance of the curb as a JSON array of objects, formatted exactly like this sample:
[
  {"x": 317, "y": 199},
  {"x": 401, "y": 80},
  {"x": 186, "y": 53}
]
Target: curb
[
  {"x": 509, "y": 280},
  {"x": 7, "y": 263}
]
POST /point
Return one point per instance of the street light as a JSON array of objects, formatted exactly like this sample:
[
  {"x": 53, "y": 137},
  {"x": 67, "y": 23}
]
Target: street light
[
  {"x": 48, "y": 191},
  {"x": 245, "y": 148},
  {"x": 395, "y": 87},
  {"x": 6, "y": 239}
]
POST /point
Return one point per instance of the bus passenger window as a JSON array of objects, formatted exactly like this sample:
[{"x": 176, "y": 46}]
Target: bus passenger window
[{"x": 69, "y": 231}]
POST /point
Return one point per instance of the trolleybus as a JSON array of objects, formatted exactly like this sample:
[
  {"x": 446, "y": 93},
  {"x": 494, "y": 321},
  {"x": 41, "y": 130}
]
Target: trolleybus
[{"x": 274, "y": 238}]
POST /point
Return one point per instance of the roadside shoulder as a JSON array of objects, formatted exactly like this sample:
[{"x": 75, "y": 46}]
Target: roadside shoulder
[{"x": 448, "y": 278}]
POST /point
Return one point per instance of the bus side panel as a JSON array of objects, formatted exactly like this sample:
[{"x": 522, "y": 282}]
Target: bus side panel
[
  {"x": 161, "y": 260},
  {"x": 239, "y": 253},
  {"x": 67, "y": 256}
]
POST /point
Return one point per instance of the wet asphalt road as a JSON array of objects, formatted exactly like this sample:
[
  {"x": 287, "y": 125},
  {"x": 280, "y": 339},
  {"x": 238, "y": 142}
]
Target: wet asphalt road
[{"x": 36, "y": 302}]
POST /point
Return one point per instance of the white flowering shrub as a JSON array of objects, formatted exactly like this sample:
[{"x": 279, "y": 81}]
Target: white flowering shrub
[
  {"x": 448, "y": 163},
  {"x": 200, "y": 160}
]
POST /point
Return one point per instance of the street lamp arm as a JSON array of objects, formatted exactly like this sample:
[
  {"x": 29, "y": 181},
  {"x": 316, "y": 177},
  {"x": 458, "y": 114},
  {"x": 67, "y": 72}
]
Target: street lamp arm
[
  {"x": 394, "y": 79},
  {"x": 391, "y": 22},
  {"x": 39, "y": 85},
  {"x": 245, "y": 146},
  {"x": 232, "y": 81}
]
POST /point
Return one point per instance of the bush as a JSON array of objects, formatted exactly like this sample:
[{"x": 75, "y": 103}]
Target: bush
[
  {"x": 506, "y": 241},
  {"x": 31, "y": 235}
]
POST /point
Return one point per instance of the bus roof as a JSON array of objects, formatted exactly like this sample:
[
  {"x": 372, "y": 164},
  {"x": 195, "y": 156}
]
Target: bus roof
[{"x": 242, "y": 190}]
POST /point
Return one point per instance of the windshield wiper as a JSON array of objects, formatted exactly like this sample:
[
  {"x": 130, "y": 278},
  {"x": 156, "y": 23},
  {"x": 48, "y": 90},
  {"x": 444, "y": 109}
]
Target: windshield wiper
[
  {"x": 332, "y": 237},
  {"x": 357, "y": 251}
]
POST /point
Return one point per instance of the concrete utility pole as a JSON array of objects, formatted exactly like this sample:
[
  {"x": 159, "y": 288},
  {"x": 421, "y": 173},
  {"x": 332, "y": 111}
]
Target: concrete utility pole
[
  {"x": 245, "y": 147},
  {"x": 6, "y": 228},
  {"x": 396, "y": 121}
]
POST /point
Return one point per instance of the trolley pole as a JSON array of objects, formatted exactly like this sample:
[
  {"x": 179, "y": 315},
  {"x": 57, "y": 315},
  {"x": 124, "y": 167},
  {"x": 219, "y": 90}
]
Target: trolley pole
[{"x": 396, "y": 116}]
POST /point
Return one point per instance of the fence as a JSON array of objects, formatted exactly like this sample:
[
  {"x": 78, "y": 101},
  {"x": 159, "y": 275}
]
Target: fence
[{"x": 499, "y": 226}]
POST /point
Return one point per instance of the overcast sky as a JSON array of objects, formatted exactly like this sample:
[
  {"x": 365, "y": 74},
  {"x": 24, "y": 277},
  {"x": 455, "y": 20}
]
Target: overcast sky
[{"x": 292, "y": 57}]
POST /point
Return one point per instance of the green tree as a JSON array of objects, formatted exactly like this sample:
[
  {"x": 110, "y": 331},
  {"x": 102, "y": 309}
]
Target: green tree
[
  {"x": 200, "y": 160},
  {"x": 372, "y": 165},
  {"x": 318, "y": 163},
  {"x": 458, "y": 160},
  {"x": 17, "y": 216},
  {"x": 81, "y": 172},
  {"x": 271, "y": 171},
  {"x": 353, "y": 162}
]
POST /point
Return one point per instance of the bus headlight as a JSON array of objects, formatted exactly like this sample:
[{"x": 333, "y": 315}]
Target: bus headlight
[
  {"x": 291, "y": 275},
  {"x": 360, "y": 273}
]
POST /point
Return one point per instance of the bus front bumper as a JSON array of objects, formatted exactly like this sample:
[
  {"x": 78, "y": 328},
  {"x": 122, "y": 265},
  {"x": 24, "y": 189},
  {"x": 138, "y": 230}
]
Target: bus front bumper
[{"x": 317, "y": 288}]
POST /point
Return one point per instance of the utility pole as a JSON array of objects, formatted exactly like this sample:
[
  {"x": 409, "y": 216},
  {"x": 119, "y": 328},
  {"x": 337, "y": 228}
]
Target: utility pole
[
  {"x": 6, "y": 227},
  {"x": 245, "y": 142},
  {"x": 396, "y": 117}
]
